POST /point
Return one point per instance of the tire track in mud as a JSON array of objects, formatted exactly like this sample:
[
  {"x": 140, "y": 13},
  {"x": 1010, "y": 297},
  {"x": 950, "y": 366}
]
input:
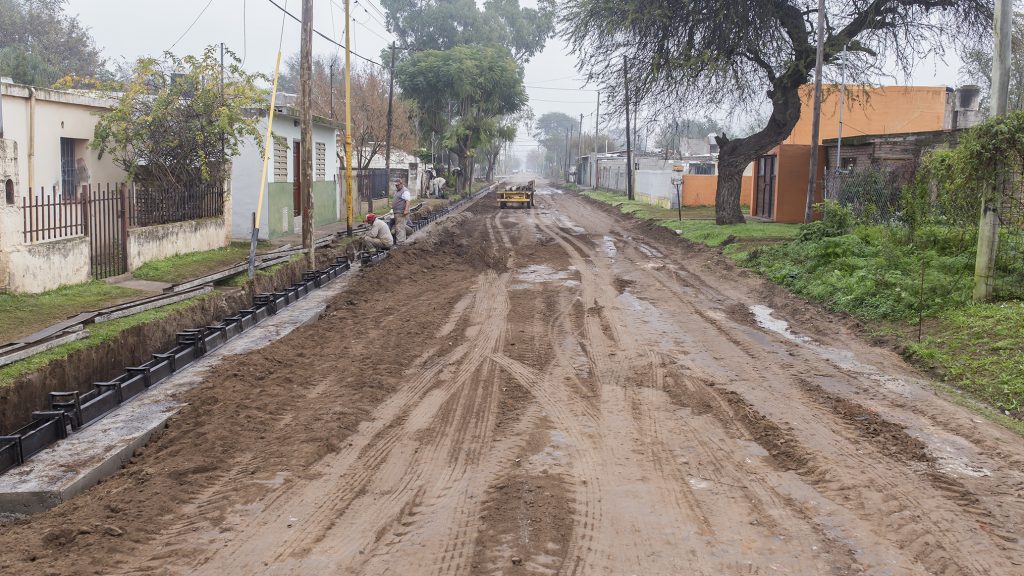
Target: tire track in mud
[{"x": 939, "y": 552}]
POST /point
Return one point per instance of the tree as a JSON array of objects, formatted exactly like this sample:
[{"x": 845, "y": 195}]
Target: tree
[
  {"x": 40, "y": 44},
  {"x": 552, "y": 131},
  {"x": 172, "y": 125},
  {"x": 717, "y": 52},
  {"x": 443, "y": 24},
  {"x": 476, "y": 85},
  {"x": 369, "y": 85},
  {"x": 977, "y": 67}
]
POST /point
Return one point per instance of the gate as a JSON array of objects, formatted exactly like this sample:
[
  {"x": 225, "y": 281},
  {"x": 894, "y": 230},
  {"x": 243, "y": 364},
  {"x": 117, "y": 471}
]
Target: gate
[{"x": 106, "y": 225}]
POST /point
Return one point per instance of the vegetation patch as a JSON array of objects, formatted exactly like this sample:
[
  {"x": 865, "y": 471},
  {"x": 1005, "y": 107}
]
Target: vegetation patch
[
  {"x": 193, "y": 265},
  {"x": 98, "y": 333},
  {"x": 23, "y": 314},
  {"x": 980, "y": 349}
]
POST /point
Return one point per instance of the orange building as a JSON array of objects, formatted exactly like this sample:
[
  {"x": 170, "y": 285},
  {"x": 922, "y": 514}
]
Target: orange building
[{"x": 778, "y": 189}]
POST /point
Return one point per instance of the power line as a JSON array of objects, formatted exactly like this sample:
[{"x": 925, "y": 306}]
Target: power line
[
  {"x": 370, "y": 30},
  {"x": 201, "y": 12},
  {"x": 372, "y": 17},
  {"x": 245, "y": 33},
  {"x": 322, "y": 35},
  {"x": 563, "y": 89},
  {"x": 561, "y": 101}
]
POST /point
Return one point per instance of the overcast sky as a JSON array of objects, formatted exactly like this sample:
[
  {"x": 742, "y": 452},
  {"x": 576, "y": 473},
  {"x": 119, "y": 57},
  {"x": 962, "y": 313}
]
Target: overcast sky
[{"x": 251, "y": 28}]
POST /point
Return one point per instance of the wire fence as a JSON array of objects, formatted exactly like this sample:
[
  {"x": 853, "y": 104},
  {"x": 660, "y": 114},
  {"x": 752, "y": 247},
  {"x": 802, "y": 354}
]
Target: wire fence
[{"x": 901, "y": 200}]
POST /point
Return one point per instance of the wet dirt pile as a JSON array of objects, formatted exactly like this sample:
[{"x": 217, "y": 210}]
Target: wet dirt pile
[{"x": 559, "y": 390}]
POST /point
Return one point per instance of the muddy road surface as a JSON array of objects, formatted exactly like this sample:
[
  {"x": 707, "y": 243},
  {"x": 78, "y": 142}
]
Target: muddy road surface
[{"x": 555, "y": 391}]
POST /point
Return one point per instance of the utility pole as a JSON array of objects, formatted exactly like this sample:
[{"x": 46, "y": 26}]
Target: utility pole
[
  {"x": 348, "y": 122},
  {"x": 597, "y": 131},
  {"x": 629, "y": 147},
  {"x": 579, "y": 152},
  {"x": 988, "y": 226},
  {"x": 565, "y": 165},
  {"x": 387, "y": 138},
  {"x": 812, "y": 178},
  {"x": 331, "y": 91},
  {"x": 306, "y": 130}
]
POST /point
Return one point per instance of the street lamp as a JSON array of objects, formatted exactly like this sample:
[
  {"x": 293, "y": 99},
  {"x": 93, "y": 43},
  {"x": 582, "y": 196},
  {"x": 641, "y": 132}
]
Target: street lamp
[{"x": 677, "y": 181}]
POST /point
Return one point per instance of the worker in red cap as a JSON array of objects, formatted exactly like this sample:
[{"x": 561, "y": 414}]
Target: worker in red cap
[{"x": 378, "y": 236}]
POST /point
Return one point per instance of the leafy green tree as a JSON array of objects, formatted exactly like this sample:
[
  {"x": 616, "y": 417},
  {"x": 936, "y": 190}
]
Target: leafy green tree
[
  {"x": 717, "y": 53},
  {"x": 175, "y": 123},
  {"x": 476, "y": 86},
  {"x": 444, "y": 24},
  {"x": 40, "y": 43},
  {"x": 552, "y": 130}
]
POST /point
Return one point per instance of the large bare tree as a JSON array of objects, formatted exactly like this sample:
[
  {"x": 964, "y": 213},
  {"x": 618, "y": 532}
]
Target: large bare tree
[{"x": 734, "y": 53}]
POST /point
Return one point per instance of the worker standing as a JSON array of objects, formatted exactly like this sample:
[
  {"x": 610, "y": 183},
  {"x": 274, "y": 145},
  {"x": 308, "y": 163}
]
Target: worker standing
[{"x": 400, "y": 204}]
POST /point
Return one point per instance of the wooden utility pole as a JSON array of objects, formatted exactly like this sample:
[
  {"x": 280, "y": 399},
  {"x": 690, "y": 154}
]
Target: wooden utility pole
[
  {"x": 597, "y": 130},
  {"x": 812, "y": 178},
  {"x": 579, "y": 152},
  {"x": 306, "y": 130},
  {"x": 348, "y": 122},
  {"x": 988, "y": 226},
  {"x": 629, "y": 147},
  {"x": 387, "y": 138}
]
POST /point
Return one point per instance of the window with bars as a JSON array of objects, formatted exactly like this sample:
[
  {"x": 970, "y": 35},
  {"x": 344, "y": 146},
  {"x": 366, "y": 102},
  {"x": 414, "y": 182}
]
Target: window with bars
[
  {"x": 280, "y": 160},
  {"x": 321, "y": 161}
]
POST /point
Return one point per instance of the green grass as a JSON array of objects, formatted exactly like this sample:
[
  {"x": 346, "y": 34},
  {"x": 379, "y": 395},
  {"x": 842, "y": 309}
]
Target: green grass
[
  {"x": 980, "y": 349},
  {"x": 98, "y": 333},
  {"x": 698, "y": 223},
  {"x": 239, "y": 280},
  {"x": 23, "y": 314},
  {"x": 195, "y": 264}
]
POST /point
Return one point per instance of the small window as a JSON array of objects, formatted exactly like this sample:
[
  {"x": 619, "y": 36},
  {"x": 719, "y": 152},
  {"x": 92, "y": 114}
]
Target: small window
[
  {"x": 9, "y": 191},
  {"x": 849, "y": 164},
  {"x": 280, "y": 160},
  {"x": 321, "y": 161}
]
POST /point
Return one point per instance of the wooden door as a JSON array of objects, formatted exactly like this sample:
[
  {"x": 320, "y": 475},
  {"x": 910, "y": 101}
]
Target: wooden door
[{"x": 764, "y": 189}]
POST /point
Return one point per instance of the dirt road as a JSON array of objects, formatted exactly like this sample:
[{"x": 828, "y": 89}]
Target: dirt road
[{"x": 555, "y": 391}]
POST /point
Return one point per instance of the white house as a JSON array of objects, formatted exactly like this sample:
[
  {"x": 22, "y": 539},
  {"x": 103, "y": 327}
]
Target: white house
[{"x": 281, "y": 199}]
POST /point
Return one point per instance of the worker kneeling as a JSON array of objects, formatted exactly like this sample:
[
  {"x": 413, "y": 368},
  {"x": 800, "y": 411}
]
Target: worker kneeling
[{"x": 377, "y": 237}]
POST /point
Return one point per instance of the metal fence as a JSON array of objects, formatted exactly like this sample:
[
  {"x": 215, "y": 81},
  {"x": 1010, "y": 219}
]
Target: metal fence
[
  {"x": 873, "y": 195},
  {"x": 51, "y": 216},
  {"x": 152, "y": 204}
]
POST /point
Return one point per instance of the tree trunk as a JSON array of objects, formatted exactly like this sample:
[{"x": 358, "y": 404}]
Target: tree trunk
[
  {"x": 492, "y": 160},
  {"x": 735, "y": 155}
]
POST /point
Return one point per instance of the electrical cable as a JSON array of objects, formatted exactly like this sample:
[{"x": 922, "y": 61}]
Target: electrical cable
[
  {"x": 565, "y": 89},
  {"x": 201, "y": 12},
  {"x": 324, "y": 36}
]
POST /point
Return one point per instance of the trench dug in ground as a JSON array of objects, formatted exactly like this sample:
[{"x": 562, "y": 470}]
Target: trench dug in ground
[
  {"x": 134, "y": 346},
  {"x": 559, "y": 390}
]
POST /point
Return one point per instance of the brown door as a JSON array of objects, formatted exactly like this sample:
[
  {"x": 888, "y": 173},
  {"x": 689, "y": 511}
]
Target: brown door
[
  {"x": 297, "y": 178},
  {"x": 764, "y": 190}
]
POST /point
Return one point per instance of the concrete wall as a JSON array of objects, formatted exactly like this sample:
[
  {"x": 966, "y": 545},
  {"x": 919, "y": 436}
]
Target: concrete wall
[
  {"x": 245, "y": 178},
  {"x": 165, "y": 240},
  {"x": 791, "y": 182},
  {"x": 655, "y": 187},
  {"x": 47, "y": 265},
  {"x": 9, "y": 213},
  {"x": 57, "y": 115}
]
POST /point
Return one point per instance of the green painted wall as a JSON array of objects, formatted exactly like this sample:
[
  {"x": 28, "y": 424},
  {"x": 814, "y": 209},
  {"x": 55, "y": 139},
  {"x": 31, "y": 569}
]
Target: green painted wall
[{"x": 279, "y": 196}]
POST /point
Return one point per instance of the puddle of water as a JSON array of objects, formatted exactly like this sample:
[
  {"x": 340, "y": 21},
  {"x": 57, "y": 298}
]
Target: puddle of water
[
  {"x": 571, "y": 226},
  {"x": 546, "y": 191},
  {"x": 649, "y": 251},
  {"x": 609, "y": 247},
  {"x": 763, "y": 315},
  {"x": 698, "y": 483},
  {"x": 538, "y": 273},
  {"x": 959, "y": 466}
]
